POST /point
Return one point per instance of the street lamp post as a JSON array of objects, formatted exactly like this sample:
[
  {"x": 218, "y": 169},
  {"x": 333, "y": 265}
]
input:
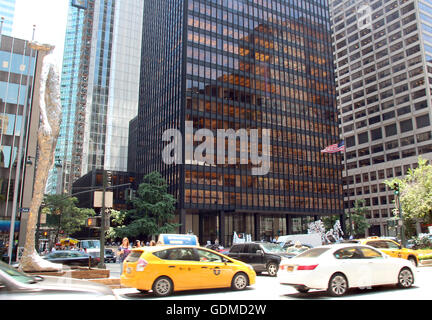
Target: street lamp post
[
  {"x": 102, "y": 229},
  {"x": 401, "y": 224}
]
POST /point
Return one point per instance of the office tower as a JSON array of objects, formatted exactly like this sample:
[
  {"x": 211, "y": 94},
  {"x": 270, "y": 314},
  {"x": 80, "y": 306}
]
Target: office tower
[
  {"x": 100, "y": 80},
  {"x": 383, "y": 87},
  {"x": 241, "y": 65},
  {"x": 7, "y": 12},
  {"x": 19, "y": 122}
]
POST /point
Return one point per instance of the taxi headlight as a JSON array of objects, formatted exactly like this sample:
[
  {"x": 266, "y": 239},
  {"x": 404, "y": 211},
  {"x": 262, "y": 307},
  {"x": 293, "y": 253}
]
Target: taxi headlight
[{"x": 250, "y": 267}]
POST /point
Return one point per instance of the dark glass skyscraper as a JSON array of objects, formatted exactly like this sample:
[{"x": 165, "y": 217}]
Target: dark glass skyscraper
[{"x": 263, "y": 64}]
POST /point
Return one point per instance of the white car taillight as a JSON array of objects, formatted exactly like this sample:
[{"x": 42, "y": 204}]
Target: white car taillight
[
  {"x": 310, "y": 267},
  {"x": 141, "y": 265}
]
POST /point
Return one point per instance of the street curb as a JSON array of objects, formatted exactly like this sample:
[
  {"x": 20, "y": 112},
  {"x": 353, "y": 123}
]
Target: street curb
[{"x": 113, "y": 283}]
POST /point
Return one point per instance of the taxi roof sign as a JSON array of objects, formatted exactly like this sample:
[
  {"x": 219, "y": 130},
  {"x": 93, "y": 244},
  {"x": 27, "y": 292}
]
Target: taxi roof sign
[{"x": 178, "y": 239}]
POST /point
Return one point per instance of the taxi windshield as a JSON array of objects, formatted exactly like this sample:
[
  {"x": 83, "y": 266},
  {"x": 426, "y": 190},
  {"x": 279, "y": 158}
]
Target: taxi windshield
[{"x": 272, "y": 248}]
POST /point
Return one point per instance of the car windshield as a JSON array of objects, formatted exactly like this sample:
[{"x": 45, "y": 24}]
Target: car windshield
[
  {"x": 296, "y": 250},
  {"x": 272, "y": 248},
  {"x": 312, "y": 253},
  {"x": 90, "y": 244},
  {"x": 15, "y": 274}
]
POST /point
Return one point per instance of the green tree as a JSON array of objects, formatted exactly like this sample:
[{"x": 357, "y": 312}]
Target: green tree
[
  {"x": 415, "y": 194},
  {"x": 152, "y": 213},
  {"x": 64, "y": 215},
  {"x": 358, "y": 218}
]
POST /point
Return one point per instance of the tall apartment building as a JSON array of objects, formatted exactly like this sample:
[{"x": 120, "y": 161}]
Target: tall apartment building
[
  {"x": 7, "y": 13},
  {"x": 242, "y": 65},
  {"x": 100, "y": 79},
  {"x": 383, "y": 56}
]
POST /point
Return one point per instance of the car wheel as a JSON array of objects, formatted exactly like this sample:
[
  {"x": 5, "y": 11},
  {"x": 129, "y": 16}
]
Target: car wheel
[
  {"x": 272, "y": 269},
  {"x": 405, "y": 278},
  {"x": 302, "y": 289},
  {"x": 338, "y": 285},
  {"x": 163, "y": 287},
  {"x": 239, "y": 282},
  {"x": 413, "y": 260}
]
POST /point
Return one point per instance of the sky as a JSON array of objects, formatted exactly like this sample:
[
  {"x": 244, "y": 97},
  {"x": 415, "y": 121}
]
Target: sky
[{"x": 50, "y": 18}]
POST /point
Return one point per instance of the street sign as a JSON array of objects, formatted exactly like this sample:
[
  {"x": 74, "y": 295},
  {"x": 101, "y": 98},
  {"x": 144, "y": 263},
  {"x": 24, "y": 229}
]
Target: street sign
[{"x": 98, "y": 195}]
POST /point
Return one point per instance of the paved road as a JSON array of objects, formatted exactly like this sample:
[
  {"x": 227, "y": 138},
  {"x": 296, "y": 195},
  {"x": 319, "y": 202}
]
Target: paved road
[{"x": 268, "y": 288}]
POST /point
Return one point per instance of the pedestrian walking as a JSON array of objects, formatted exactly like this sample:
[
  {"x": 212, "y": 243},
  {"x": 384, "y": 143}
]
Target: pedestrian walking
[
  {"x": 123, "y": 252},
  {"x": 137, "y": 244}
]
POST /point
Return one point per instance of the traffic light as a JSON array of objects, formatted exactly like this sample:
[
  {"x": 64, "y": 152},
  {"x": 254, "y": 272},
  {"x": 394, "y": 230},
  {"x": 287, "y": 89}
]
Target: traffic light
[
  {"x": 93, "y": 222},
  {"x": 396, "y": 188}
]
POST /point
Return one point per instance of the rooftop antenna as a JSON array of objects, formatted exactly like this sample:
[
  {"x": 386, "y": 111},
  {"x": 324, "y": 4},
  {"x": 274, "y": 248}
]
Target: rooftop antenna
[
  {"x": 1, "y": 24},
  {"x": 34, "y": 30}
]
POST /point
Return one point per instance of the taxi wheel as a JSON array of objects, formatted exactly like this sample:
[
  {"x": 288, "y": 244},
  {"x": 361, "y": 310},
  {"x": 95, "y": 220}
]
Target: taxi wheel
[
  {"x": 162, "y": 287},
  {"x": 240, "y": 281},
  {"x": 405, "y": 278}
]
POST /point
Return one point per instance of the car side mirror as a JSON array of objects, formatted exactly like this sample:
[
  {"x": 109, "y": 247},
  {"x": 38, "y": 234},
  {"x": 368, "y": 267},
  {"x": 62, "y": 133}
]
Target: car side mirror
[{"x": 260, "y": 252}]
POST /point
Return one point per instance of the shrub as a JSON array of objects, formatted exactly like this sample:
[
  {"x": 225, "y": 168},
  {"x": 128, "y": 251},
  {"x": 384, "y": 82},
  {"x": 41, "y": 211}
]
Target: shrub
[
  {"x": 425, "y": 257},
  {"x": 422, "y": 242}
]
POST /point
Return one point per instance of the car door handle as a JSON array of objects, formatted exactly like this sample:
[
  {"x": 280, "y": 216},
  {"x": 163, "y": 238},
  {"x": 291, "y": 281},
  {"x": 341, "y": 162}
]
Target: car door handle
[
  {"x": 204, "y": 267},
  {"x": 171, "y": 266}
]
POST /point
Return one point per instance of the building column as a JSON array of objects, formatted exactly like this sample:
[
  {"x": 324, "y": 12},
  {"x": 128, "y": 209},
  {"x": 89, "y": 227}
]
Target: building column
[
  {"x": 183, "y": 221},
  {"x": 221, "y": 234},
  {"x": 257, "y": 226},
  {"x": 288, "y": 224}
]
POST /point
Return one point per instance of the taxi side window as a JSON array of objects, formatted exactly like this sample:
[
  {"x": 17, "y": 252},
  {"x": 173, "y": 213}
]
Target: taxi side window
[
  {"x": 207, "y": 256},
  {"x": 185, "y": 254},
  {"x": 392, "y": 245},
  {"x": 378, "y": 244}
]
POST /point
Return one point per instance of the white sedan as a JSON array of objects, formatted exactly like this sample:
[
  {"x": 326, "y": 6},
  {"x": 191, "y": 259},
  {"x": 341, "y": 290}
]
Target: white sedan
[{"x": 338, "y": 267}]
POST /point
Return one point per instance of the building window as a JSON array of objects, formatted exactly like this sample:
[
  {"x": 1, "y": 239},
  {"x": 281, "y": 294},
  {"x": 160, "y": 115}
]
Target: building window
[
  {"x": 422, "y": 121},
  {"x": 363, "y": 138},
  {"x": 376, "y": 134},
  {"x": 406, "y": 125},
  {"x": 421, "y": 137},
  {"x": 390, "y": 130}
]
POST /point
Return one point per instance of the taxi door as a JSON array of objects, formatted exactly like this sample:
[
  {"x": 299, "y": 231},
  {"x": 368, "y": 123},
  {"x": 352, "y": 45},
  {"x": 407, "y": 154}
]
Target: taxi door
[
  {"x": 383, "y": 246},
  {"x": 181, "y": 265},
  {"x": 213, "y": 271}
]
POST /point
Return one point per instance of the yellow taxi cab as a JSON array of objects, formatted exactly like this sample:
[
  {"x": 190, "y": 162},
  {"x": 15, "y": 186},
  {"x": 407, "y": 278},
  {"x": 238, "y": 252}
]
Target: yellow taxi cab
[
  {"x": 390, "y": 247},
  {"x": 168, "y": 268}
]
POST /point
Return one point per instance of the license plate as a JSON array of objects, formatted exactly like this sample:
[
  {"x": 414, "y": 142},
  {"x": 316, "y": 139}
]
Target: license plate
[
  {"x": 290, "y": 268},
  {"x": 128, "y": 270}
]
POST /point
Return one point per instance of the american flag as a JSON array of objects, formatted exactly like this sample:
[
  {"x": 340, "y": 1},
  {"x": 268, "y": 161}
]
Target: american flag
[{"x": 334, "y": 148}]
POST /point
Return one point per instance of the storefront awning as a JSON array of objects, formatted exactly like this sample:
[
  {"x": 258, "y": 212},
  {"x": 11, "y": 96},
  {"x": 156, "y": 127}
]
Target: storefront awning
[{"x": 5, "y": 226}]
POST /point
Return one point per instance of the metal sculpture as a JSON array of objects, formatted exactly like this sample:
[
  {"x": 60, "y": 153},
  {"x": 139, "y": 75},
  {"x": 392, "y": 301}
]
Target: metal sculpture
[{"x": 50, "y": 118}]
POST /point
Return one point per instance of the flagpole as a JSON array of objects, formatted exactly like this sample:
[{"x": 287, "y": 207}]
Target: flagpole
[{"x": 348, "y": 193}]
